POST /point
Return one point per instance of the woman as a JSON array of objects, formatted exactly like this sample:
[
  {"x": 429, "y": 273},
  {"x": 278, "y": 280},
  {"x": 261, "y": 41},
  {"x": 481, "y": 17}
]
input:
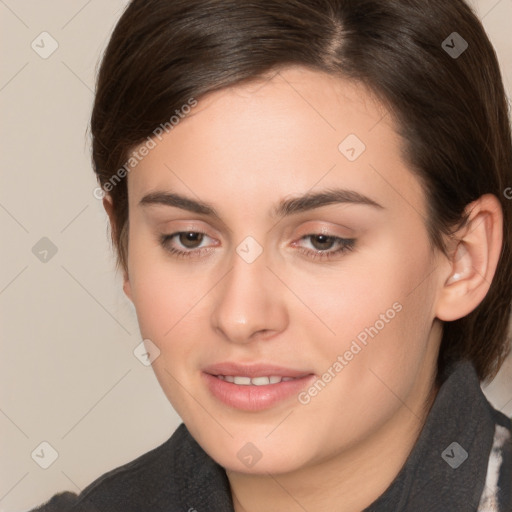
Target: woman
[{"x": 308, "y": 199}]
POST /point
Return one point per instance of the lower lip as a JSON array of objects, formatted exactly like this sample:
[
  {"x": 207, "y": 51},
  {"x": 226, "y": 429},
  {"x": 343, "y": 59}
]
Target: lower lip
[{"x": 255, "y": 398}]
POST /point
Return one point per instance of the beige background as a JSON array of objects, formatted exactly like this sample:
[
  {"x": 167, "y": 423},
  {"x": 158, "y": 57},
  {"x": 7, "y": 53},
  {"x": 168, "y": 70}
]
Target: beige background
[{"x": 68, "y": 373}]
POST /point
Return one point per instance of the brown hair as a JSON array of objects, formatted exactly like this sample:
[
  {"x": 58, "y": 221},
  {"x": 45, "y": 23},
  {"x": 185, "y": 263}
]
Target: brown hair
[{"x": 451, "y": 109}]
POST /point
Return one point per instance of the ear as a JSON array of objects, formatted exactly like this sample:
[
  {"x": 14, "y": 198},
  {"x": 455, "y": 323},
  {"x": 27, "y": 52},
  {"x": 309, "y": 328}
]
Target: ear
[
  {"x": 474, "y": 256},
  {"x": 108, "y": 204}
]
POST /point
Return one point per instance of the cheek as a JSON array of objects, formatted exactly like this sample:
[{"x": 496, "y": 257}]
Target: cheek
[
  {"x": 165, "y": 303},
  {"x": 163, "y": 295},
  {"x": 382, "y": 317},
  {"x": 381, "y": 313},
  {"x": 168, "y": 312},
  {"x": 366, "y": 286}
]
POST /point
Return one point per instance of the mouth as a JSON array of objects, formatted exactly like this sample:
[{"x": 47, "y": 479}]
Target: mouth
[{"x": 254, "y": 387}]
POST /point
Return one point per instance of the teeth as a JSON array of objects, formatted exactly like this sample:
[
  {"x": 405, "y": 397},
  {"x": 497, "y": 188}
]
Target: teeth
[
  {"x": 242, "y": 381},
  {"x": 260, "y": 381},
  {"x": 255, "y": 381}
]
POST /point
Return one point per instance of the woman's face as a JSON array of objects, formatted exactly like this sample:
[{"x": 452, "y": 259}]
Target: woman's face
[{"x": 303, "y": 254}]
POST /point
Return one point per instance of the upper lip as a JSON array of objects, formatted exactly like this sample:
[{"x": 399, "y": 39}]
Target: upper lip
[{"x": 253, "y": 370}]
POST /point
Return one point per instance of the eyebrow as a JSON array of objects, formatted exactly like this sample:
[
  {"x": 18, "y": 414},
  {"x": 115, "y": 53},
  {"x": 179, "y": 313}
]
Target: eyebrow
[{"x": 284, "y": 208}]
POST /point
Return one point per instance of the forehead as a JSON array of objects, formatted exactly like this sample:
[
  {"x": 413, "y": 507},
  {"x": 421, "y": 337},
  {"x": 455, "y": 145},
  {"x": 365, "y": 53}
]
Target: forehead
[{"x": 293, "y": 131}]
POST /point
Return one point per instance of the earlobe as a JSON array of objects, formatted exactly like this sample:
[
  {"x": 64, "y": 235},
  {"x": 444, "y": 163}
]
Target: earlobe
[{"x": 473, "y": 263}]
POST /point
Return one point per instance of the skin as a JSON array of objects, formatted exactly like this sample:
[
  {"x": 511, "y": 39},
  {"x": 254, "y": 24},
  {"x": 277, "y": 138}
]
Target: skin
[{"x": 242, "y": 151}]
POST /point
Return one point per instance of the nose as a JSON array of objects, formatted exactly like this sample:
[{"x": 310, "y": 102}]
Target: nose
[{"x": 248, "y": 302}]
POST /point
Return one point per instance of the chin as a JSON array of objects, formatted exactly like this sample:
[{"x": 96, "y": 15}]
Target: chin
[
  {"x": 275, "y": 464},
  {"x": 254, "y": 451}
]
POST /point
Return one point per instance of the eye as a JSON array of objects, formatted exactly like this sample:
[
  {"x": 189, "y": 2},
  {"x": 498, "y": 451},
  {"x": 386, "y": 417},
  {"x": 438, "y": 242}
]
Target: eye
[
  {"x": 323, "y": 244},
  {"x": 189, "y": 244},
  {"x": 189, "y": 240}
]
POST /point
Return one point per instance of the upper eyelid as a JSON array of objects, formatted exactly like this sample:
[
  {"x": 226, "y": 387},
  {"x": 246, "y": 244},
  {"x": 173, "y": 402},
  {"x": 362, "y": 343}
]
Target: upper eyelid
[
  {"x": 336, "y": 239},
  {"x": 299, "y": 218},
  {"x": 321, "y": 230}
]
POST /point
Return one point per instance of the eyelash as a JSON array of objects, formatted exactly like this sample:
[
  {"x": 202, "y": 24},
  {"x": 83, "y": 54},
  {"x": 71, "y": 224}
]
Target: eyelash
[{"x": 346, "y": 245}]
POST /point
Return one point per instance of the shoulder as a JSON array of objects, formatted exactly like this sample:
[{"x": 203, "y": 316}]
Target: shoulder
[
  {"x": 153, "y": 481},
  {"x": 59, "y": 503}
]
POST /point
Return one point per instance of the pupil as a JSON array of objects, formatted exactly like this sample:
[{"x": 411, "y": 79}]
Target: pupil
[
  {"x": 325, "y": 242},
  {"x": 190, "y": 239}
]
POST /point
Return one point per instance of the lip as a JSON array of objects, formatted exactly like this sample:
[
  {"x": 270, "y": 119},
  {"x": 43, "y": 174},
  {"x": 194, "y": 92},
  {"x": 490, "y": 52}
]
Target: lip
[
  {"x": 254, "y": 370},
  {"x": 254, "y": 398}
]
